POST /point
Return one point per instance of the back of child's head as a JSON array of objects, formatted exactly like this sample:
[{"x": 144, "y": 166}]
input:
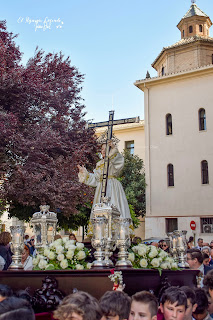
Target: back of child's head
[
  {"x": 114, "y": 303},
  {"x": 82, "y": 303},
  {"x": 5, "y": 291},
  {"x": 201, "y": 300},
  {"x": 208, "y": 280},
  {"x": 147, "y": 298},
  {"x": 174, "y": 294},
  {"x": 14, "y": 308},
  {"x": 190, "y": 294}
]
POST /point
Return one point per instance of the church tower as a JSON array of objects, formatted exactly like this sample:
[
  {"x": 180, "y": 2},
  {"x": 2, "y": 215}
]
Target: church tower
[{"x": 194, "y": 50}]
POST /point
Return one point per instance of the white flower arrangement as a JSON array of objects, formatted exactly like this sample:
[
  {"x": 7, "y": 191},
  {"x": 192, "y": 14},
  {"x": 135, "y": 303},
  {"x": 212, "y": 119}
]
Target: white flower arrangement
[
  {"x": 116, "y": 276},
  {"x": 150, "y": 257},
  {"x": 62, "y": 254}
]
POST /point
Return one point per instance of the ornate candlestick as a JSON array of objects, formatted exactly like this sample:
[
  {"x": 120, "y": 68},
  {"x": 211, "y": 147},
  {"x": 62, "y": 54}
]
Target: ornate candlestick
[
  {"x": 17, "y": 247},
  {"x": 173, "y": 246},
  {"x": 123, "y": 243},
  {"x": 98, "y": 241},
  {"x": 44, "y": 222},
  {"x": 181, "y": 247}
]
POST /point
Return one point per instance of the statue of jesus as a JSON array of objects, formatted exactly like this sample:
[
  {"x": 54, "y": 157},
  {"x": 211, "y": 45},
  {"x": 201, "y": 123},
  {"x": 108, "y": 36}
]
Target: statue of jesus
[{"x": 114, "y": 190}]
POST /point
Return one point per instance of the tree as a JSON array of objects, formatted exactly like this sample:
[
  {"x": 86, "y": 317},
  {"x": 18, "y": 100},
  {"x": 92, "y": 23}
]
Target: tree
[
  {"x": 133, "y": 181},
  {"x": 43, "y": 134}
]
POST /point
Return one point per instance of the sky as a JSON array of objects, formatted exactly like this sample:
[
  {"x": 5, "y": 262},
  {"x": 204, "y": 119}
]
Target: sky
[{"x": 112, "y": 42}]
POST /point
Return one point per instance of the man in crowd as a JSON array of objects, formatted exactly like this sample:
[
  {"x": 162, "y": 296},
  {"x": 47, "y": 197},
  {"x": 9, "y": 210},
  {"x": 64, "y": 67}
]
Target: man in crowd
[
  {"x": 191, "y": 302},
  {"x": 201, "y": 312},
  {"x": 199, "y": 244}
]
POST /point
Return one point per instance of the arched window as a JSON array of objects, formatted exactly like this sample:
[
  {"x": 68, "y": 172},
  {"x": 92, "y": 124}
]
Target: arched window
[
  {"x": 190, "y": 29},
  {"x": 204, "y": 172},
  {"x": 200, "y": 28},
  {"x": 183, "y": 33},
  {"x": 202, "y": 119},
  {"x": 162, "y": 71},
  {"x": 168, "y": 124},
  {"x": 170, "y": 175}
]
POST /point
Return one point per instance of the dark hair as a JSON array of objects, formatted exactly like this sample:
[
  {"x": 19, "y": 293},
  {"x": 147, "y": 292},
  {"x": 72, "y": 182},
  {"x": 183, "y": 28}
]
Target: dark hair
[
  {"x": 174, "y": 294},
  {"x": 114, "y": 303},
  {"x": 191, "y": 239},
  {"x": 81, "y": 303},
  {"x": 208, "y": 280},
  {"x": 14, "y": 308},
  {"x": 205, "y": 255},
  {"x": 199, "y": 239},
  {"x": 147, "y": 298},
  {"x": 195, "y": 254},
  {"x": 5, "y": 238},
  {"x": 5, "y": 291},
  {"x": 190, "y": 294},
  {"x": 201, "y": 300}
]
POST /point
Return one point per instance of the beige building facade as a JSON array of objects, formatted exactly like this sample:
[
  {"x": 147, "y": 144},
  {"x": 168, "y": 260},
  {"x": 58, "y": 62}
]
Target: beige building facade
[{"x": 179, "y": 133}]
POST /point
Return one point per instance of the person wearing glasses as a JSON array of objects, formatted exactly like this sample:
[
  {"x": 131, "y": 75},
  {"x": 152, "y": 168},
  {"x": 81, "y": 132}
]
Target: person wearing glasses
[{"x": 165, "y": 246}]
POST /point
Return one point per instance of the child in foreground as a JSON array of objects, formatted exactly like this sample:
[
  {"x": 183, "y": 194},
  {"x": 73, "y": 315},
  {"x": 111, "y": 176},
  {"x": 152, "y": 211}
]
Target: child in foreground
[
  {"x": 115, "y": 305},
  {"x": 173, "y": 304},
  {"x": 144, "y": 306}
]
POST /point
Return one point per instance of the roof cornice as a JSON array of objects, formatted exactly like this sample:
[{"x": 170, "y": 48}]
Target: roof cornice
[{"x": 147, "y": 83}]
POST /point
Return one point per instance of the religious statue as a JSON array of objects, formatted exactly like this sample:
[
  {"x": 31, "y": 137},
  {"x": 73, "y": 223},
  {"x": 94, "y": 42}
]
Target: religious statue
[{"x": 114, "y": 190}]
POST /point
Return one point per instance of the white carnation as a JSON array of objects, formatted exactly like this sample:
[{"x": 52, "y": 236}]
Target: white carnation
[
  {"x": 70, "y": 254},
  {"x": 64, "y": 263},
  {"x": 57, "y": 242},
  {"x": 135, "y": 248},
  {"x": 60, "y": 257},
  {"x": 46, "y": 252},
  {"x": 79, "y": 267},
  {"x": 59, "y": 249},
  {"x": 165, "y": 265},
  {"x": 154, "y": 252},
  {"x": 65, "y": 239},
  {"x": 142, "y": 251},
  {"x": 51, "y": 255},
  {"x": 79, "y": 245},
  {"x": 70, "y": 246},
  {"x": 174, "y": 265},
  {"x": 131, "y": 256},
  {"x": 42, "y": 264},
  {"x": 163, "y": 254},
  {"x": 143, "y": 263},
  {"x": 80, "y": 255},
  {"x": 89, "y": 265},
  {"x": 155, "y": 263}
]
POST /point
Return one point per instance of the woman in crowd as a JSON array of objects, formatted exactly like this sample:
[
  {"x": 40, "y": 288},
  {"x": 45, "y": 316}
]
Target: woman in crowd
[
  {"x": 26, "y": 259},
  {"x": 72, "y": 236},
  {"x": 5, "y": 251}
]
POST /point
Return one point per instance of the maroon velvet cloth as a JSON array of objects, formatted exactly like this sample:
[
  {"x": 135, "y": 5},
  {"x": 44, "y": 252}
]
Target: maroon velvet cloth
[{"x": 44, "y": 316}]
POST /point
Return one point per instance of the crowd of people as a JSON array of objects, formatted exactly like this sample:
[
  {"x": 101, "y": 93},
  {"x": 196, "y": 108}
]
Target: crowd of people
[{"x": 175, "y": 303}]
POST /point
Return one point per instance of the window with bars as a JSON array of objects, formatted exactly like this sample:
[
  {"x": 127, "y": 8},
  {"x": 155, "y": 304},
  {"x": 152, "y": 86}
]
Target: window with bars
[
  {"x": 206, "y": 225},
  {"x": 129, "y": 145},
  {"x": 170, "y": 175},
  {"x": 168, "y": 124},
  {"x": 202, "y": 119},
  {"x": 204, "y": 172}
]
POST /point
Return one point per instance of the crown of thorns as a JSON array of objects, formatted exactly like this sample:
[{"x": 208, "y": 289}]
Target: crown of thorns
[{"x": 103, "y": 138}]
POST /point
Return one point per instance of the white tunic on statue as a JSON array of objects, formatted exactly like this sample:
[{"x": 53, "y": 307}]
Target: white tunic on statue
[{"x": 114, "y": 188}]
